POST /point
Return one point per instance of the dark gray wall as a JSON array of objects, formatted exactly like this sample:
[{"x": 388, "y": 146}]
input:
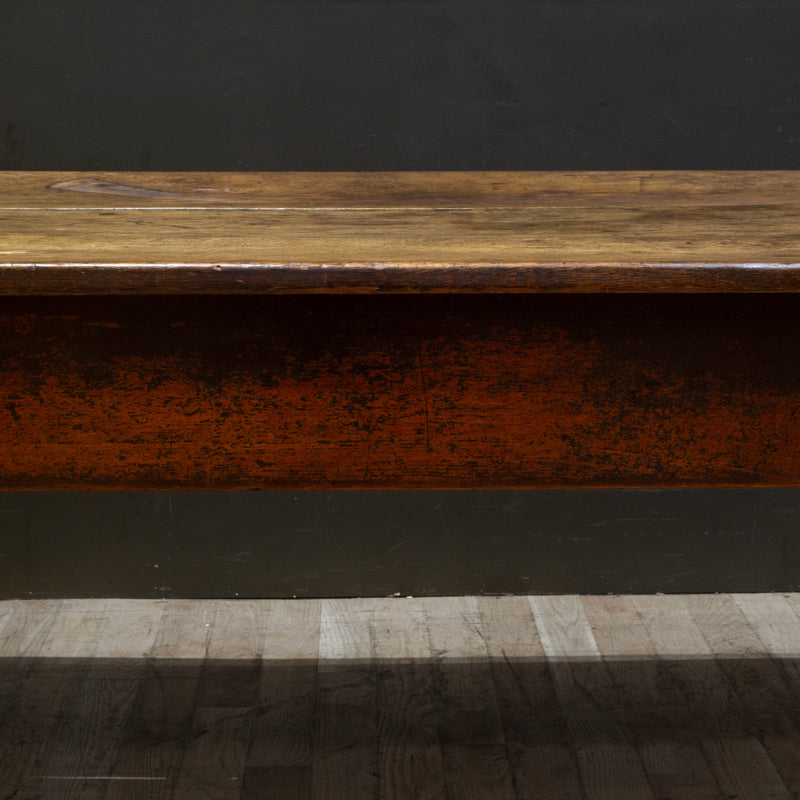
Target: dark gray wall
[
  {"x": 379, "y": 543},
  {"x": 388, "y": 84},
  {"x": 385, "y": 84}
]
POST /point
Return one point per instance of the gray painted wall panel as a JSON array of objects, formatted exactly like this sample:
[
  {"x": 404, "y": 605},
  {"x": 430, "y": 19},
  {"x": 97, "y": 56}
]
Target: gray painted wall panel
[{"x": 309, "y": 544}]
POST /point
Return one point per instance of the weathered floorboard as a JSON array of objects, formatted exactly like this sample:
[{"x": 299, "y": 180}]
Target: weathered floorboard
[
  {"x": 407, "y": 699},
  {"x": 733, "y": 748},
  {"x": 410, "y": 758},
  {"x": 668, "y": 744},
  {"x": 601, "y": 734},
  {"x": 470, "y": 728},
  {"x": 758, "y": 681},
  {"x": 283, "y": 735},
  {"x": 215, "y": 751},
  {"x": 537, "y": 740},
  {"x": 345, "y": 762}
]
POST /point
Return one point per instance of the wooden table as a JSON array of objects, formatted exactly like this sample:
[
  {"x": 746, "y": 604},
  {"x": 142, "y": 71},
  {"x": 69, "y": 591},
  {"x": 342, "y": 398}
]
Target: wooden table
[{"x": 402, "y": 330}]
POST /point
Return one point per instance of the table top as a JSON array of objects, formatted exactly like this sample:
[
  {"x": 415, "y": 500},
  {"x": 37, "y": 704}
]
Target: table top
[{"x": 195, "y": 233}]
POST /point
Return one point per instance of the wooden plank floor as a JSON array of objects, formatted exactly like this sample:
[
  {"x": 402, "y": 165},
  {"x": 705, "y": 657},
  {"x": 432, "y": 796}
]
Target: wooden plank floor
[{"x": 516, "y": 698}]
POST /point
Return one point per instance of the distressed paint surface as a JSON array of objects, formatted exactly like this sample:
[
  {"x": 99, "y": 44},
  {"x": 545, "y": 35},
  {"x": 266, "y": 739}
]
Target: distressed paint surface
[{"x": 402, "y": 392}]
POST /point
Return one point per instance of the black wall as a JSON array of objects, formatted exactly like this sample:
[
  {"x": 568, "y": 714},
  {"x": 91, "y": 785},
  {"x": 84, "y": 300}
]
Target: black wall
[
  {"x": 375, "y": 85},
  {"x": 388, "y": 84},
  {"x": 380, "y": 543}
]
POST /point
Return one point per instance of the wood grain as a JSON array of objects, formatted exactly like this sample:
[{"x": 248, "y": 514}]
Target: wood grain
[
  {"x": 398, "y": 392},
  {"x": 757, "y": 680},
  {"x": 775, "y": 619},
  {"x": 45, "y": 189},
  {"x": 666, "y": 740},
  {"x": 410, "y": 758},
  {"x": 470, "y": 726},
  {"x": 26, "y": 690},
  {"x": 733, "y": 748},
  {"x": 82, "y": 753},
  {"x": 283, "y": 736},
  {"x": 162, "y": 711},
  {"x": 215, "y": 753},
  {"x": 162, "y": 233},
  {"x": 494, "y": 699},
  {"x": 601, "y": 734},
  {"x": 537, "y": 740},
  {"x": 345, "y": 762}
]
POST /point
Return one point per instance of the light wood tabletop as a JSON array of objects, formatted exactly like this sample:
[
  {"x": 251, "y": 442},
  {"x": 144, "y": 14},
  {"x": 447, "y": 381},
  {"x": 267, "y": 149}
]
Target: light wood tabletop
[{"x": 399, "y": 232}]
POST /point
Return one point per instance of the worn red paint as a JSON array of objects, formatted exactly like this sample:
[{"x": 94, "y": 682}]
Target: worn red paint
[{"x": 404, "y": 392}]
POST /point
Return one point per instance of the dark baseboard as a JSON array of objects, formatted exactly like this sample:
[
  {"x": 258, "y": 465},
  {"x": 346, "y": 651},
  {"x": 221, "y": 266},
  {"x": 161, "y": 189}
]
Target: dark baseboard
[{"x": 285, "y": 544}]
